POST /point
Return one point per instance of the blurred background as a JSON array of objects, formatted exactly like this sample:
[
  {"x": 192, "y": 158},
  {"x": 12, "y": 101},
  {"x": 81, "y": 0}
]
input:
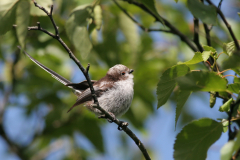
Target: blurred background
[{"x": 34, "y": 123}]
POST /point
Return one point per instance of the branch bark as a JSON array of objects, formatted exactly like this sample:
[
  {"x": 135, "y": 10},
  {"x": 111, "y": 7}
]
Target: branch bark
[
  {"x": 173, "y": 29},
  {"x": 226, "y": 23},
  {"x": 85, "y": 72}
]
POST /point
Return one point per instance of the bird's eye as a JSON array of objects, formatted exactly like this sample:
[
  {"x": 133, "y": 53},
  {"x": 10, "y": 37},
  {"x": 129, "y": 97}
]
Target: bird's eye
[{"x": 123, "y": 73}]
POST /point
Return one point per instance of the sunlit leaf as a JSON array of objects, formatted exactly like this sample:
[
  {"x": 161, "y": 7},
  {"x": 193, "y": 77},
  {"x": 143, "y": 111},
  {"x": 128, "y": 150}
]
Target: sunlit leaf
[
  {"x": 22, "y": 20},
  {"x": 229, "y": 48},
  {"x": 225, "y": 124},
  {"x": 76, "y": 28},
  {"x": 182, "y": 97},
  {"x": 226, "y": 106},
  {"x": 167, "y": 82},
  {"x": 212, "y": 99},
  {"x": 98, "y": 16},
  {"x": 206, "y": 55},
  {"x": 130, "y": 32},
  {"x": 229, "y": 148},
  {"x": 207, "y": 14},
  {"x": 209, "y": 48},
  {"x": 7, "y": 15},
  {"x": 35, "y": 11},
  {"x": 195, "y": 139},
  {"x": 196, "y": 59},
  {"x": 202, "y": 81}
]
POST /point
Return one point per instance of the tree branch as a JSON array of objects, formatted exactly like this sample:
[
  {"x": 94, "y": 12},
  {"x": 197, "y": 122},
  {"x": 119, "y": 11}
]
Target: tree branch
[
  {"x": 226, "y": 23},
  {"x": 85, "y": 72},
  {"x": 207, "y": 32},
  {"x": 140, "y": 25},
  {"x": 173, "y": 29},
  {"x": 196, "y": 35}
]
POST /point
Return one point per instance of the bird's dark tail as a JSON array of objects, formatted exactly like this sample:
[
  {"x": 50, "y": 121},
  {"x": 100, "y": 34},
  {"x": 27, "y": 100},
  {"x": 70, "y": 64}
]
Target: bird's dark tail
[{"x": 53, "y": 74}]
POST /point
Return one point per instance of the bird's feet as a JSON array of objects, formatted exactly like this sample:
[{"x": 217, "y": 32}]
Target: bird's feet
[
  {"x": 122, "y": 125},
  {"x": 109, "y": 120}
]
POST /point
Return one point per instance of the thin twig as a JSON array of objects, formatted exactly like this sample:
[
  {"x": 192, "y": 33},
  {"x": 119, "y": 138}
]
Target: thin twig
[
  {"x": 137, "y": 23},
  {"x": 226, "y": 23},
  {"x": 196, "y": 35},
  {"x": 172, "y": 28},
  {"x": 230, "y": 132},
  {"x": 207, "y": 31},
  {"x": 85, "y": 72}
]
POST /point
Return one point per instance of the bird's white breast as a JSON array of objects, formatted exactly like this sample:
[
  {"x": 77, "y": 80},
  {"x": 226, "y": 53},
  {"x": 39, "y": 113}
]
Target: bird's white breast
[{"x": 117, "y": 100}]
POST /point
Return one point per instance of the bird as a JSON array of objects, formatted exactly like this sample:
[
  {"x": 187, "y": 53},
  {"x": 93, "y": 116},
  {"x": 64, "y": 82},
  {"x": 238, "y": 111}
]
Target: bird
[{"x": 114, "y": 91}]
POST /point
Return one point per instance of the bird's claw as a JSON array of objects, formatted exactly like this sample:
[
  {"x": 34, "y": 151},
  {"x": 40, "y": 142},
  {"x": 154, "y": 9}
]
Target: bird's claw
[
  {"x": 109, "y": 120},
  {"x": 122, "y": 125}
]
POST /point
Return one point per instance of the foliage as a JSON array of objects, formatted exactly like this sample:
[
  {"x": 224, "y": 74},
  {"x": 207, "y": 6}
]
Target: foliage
[{"x": 102, "y": 34}]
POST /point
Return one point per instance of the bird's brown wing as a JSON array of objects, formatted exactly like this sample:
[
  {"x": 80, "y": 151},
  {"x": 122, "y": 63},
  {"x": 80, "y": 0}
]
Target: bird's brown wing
[{"x": 87, "y": 96}]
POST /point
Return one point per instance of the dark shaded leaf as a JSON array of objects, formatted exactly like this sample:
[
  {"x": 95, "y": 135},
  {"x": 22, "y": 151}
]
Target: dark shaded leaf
[
  {"x": 22, "y": 20},
  {"x": 182, "y": 97},
  {"x": 234, "y": 88},
  {"x": 207, "y": 14},
  {"x": 195, "y": 139},
  {"x": 232, "y": 62},
  {"x": 150, "y": 4},
  {"x": 167, "y": 82}
]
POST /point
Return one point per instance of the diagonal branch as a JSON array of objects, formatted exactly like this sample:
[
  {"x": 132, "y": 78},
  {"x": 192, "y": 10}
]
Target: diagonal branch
[
  {"x": 137, "y": 23},
  {"x": 226, "y": 23},
  {"x": 207, "y": 31},
  {"x": 85, "y": 72},
  {"x": 173, "y": 29},
  {"x": 196, "y": 35}
]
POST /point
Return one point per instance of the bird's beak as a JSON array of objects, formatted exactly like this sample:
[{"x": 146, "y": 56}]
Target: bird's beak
[{"x": 131, "y": 70}]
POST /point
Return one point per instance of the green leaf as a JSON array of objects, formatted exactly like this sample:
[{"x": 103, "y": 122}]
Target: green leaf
[
  {"x": 182, "y": 97},
  {"x": 167, "y": 82},
  {"x": 209, "y": 48},
  {"x": 206, "y": 55},
  {"x": 229, "y": 48},
  {"x": 233, "y": 62},
  {"x": 225, "y": 124},
  {"x": 150, "y": 4},
  {"x": 226, "y": 106},
  {"x": 98, "y": 16},
  {"x": 212, "y": 99},
  {"x": 196, "y": 59},
  {"x": 7, "y": 15},
  {"x": 229, "y": 148},
  {"x": 234, "y": 88},
  {"x": 202, "y": 81},
  {"x": 76, "y": 28},
  {"x": 35, "y": 11},
  {"x": 176, "y": 1},
  {"x": 195, "y": 139},
  {"x": 207, "y": 14},
  {"x": 130, "y": 32},
  {"x": 22, "y": 21}
]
